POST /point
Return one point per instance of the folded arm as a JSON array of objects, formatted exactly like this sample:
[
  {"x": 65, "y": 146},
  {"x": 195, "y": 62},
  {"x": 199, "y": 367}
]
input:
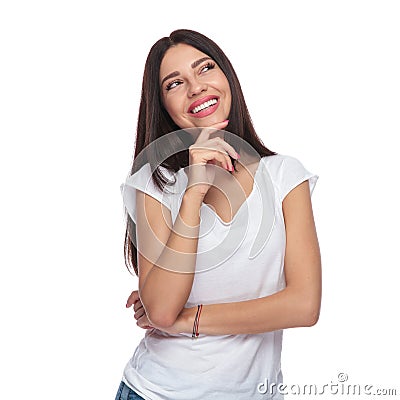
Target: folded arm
[
  {"x": 166, "y": 256},
  {"x": 296, "y": 305}
]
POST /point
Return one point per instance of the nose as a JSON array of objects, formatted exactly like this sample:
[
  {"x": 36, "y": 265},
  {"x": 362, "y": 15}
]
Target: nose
[{"x": 195, "y": 87}]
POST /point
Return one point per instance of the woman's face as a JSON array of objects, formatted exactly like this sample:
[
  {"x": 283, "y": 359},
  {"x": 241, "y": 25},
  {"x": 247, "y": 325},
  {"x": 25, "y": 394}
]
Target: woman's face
[{"x": 194, "y": 90}]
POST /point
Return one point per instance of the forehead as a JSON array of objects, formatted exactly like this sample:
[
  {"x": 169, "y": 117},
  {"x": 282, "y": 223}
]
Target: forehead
[{"x": 178, "y": 58}]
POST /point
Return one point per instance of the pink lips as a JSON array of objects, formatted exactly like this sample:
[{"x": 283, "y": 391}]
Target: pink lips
[{"x": 207, "y": 111}]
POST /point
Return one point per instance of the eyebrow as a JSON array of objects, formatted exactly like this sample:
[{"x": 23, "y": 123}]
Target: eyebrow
[{"x": 193, "y": 65}]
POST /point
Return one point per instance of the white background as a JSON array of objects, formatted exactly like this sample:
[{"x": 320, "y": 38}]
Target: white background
[{"x": 321, "y": 79}]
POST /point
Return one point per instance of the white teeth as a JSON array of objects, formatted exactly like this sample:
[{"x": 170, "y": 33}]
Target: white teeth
[{"x": 204, "y": 105}]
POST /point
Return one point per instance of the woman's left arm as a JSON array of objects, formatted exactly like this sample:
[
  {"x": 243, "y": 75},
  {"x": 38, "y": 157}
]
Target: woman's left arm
[{"x": 298, "y": 304}]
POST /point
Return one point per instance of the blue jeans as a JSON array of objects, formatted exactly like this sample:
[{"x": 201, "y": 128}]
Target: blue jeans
[{"x": 126, "y": 393}]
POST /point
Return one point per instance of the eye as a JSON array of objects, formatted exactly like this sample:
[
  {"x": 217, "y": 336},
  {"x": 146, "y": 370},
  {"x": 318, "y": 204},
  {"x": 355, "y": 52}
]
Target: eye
[
  {"x": 172, "y": 85},
  {"x": 207, "y": 67}
]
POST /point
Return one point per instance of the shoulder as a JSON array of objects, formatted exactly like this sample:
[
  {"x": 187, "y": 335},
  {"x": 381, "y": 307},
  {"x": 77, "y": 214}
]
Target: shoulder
[
  {"x": 278, "y": 162},
  {"x": 287, "y": 172},
  {"x": 142, "y": 178}
]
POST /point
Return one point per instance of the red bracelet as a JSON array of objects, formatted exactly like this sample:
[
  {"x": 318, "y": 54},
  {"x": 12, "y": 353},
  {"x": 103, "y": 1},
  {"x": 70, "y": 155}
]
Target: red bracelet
[{"x": 195, "y": 332}]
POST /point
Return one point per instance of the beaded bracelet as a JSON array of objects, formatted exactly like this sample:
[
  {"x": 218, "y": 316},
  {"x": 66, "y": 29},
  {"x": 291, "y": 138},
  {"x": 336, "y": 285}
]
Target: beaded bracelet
[{"x": 195, "y": 332}]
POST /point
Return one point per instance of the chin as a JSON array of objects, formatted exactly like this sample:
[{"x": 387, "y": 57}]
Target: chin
[{"x": 211, "y": 120}]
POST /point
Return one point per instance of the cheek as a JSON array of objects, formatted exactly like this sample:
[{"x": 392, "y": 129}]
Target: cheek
[
  {"x": 228, "y": 96},
  {"x": 175, "y": 112},
  {"x": 171, "y": 110},
  {"x": 227, "y": 88},
  {"x": 173, "y": 104}
]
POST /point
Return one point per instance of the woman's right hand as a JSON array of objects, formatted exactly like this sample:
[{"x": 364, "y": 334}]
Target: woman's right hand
[{"x": 205, "y": 151}]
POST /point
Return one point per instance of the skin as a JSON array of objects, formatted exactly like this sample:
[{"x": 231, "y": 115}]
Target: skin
[
  {"x": 191, "y": 84},
  {"x": 296, "y": 305},
  {"x": 162, "y": 246}
]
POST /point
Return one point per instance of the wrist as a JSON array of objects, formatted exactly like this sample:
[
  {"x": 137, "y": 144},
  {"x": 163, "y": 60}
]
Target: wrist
[
  {"x": 192, "y": 197},
  {"x": 185, "y": 320}
]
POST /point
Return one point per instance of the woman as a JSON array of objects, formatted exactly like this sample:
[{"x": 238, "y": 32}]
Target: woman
[{"x": 213, "y": 314}]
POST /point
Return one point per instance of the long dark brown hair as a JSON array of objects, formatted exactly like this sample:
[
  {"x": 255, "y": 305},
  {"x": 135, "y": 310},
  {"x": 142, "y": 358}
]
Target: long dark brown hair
[{"x": 154, "y": 121}]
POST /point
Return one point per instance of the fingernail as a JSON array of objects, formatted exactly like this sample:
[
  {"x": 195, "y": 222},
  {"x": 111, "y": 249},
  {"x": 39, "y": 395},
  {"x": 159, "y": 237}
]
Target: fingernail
[{"x": 238, "y": 155}]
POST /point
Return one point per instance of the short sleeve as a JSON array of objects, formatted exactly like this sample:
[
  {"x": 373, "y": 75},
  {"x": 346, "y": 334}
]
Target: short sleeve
[
  {"x": 141, "y": 180},
  {"x": 287, "y": 172},
  {"x": 292, "y": 173}
]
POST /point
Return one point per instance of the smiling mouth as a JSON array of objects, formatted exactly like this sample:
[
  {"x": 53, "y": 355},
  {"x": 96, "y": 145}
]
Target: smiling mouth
[{"x": 204, "y": 106}]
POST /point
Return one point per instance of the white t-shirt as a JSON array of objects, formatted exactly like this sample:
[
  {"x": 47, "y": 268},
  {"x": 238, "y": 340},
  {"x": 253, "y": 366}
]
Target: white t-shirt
[{"x": 236, "y": 261}]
